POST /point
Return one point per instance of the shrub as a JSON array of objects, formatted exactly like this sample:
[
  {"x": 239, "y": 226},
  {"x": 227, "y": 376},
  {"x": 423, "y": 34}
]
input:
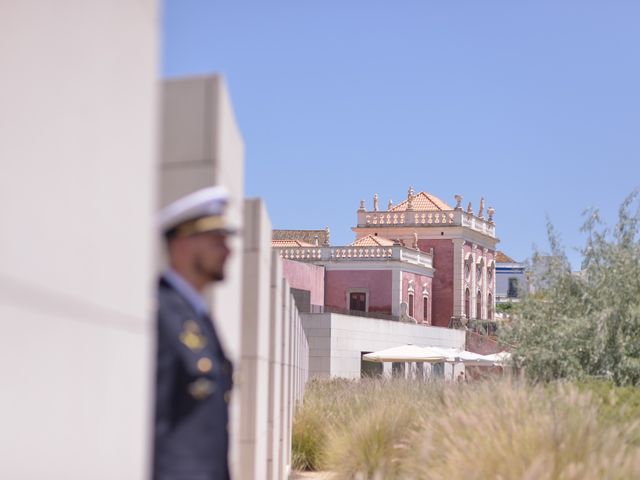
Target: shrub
[{"x": 576, "y": 326}]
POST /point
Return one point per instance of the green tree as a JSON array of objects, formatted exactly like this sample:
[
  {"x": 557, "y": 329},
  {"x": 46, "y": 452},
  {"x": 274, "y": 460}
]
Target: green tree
[{"x": 585, "y": 324}]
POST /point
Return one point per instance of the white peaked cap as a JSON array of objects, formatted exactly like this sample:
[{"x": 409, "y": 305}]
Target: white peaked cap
[{"x": 197, "y": 212}]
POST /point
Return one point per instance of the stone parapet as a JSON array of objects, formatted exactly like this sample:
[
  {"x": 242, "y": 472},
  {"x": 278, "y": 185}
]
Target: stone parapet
[
  {"x": 351, "y": 254},
  {"x": 450, "y": 218}
]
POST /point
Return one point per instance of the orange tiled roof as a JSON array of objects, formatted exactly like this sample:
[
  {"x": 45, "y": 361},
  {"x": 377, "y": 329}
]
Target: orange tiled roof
[
  {"x": 423, "y": 202},
  {"x": 289, "y": 243},
  {"x": 372, "y": 241},
  {"x": 502, "y": 258}
]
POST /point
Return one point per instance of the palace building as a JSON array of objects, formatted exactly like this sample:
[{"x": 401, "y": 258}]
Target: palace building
[
  {"x": 419, "y": 261},
  {"x": 420, "y": 272}
]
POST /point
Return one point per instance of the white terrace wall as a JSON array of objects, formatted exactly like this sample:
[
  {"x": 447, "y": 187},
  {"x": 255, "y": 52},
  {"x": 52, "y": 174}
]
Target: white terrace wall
[
  {"x": 254, "y": 311},
  {"x": 77, "y": 197},
  {"x": 274, "y": 358},
  {"x": 336, "y": 341},
  {"x": 202, "y": 146}
]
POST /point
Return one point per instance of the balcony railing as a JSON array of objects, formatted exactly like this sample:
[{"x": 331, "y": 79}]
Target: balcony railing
[
  {"x": 456, "y": 217},
  {"x": 355, "y": 254}
]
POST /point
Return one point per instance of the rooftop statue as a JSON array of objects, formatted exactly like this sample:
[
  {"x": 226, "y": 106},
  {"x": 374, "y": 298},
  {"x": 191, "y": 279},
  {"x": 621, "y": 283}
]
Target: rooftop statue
[
  {"x": 410, "y": 199},
  {"x": 404, "y": 316}
]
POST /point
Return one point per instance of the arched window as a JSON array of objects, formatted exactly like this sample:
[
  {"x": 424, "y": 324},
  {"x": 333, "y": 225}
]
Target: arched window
[
  {"x": 479, "y": 305},
  {"x": 425, "y": 309},
  {"x": 410, "y": 304},
  {"x": 489, "y": 307},
  {"x": 479, "y": 267},
  {"x": 467, "y": 303}
]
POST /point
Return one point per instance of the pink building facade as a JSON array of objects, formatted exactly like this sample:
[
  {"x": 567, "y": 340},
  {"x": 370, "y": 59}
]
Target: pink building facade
[
  {"x": 463, "y": 245},
  {"x": 420, "y": 261}
]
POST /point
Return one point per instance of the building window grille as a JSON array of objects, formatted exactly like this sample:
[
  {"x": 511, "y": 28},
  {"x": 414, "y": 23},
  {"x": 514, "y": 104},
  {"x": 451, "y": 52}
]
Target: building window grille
[
  {"x": 358, "y": 301},
  {"x": 411, "y": 304},
  {"x": 425, "y": 309},
  {"x": 467, "y": 303}
]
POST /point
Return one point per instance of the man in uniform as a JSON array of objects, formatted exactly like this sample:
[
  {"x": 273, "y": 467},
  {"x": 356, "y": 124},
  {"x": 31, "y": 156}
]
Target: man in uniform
[{"x": 193, "y": 373}]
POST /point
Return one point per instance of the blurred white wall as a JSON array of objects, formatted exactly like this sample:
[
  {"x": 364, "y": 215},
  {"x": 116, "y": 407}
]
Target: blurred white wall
[
  {"x": 253, "y": 311},
  {"x": 77, "y": 196},
  {"x": 202, "y": 146}
]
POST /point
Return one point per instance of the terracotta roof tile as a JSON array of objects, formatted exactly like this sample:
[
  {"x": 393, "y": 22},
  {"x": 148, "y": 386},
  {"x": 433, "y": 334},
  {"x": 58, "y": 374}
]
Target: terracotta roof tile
[
  {"x": 423, "y": 202},
  {"x": 502, "y": 258},
  {"x": 289, "y": 244},
  {"x": 372, "y": 241}
]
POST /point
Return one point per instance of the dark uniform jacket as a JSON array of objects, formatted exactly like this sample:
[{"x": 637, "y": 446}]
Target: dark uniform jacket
[{"x": 193, "y": 385}]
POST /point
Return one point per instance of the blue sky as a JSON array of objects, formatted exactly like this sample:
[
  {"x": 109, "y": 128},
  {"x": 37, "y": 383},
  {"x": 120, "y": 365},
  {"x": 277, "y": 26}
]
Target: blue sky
[{"x": 534, "y": 105}]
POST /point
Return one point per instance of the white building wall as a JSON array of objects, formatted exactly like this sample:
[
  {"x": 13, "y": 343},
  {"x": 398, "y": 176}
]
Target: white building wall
[
  {"x": 274, "y": 428},
  {"x": 253, "y": 369},
  {"x": 338, "y": 340},
  {"x": 77, "y": 198},
  {"x": 202, "y": 146}
]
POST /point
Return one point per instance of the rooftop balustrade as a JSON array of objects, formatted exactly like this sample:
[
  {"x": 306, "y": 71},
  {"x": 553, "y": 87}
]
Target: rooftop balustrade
[
  {"x": 449, "y": 218},
  {"x": 355, "y": 254}
]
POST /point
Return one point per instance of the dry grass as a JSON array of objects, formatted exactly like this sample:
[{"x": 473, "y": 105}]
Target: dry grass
[{"x": 400, "y": 430}]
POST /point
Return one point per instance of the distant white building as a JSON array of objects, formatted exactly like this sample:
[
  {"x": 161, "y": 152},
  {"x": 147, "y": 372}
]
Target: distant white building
[{"x": 511, "y": 279}]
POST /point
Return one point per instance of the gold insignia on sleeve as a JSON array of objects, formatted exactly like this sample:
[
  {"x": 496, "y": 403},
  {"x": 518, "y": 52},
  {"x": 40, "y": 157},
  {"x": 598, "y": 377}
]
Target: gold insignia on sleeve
[{"x": 191, "y": 336}]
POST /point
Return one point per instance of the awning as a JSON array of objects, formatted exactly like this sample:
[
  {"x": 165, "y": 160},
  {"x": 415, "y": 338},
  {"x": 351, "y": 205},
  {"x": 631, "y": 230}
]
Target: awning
[{"x": 407, "y": 353}]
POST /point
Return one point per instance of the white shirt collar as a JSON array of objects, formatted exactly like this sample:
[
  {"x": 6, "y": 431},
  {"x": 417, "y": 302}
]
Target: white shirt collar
[{"x": 185, "y": 289}]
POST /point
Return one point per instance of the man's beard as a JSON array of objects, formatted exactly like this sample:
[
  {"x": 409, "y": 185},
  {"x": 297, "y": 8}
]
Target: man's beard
[{"x": 209, "y": 274}]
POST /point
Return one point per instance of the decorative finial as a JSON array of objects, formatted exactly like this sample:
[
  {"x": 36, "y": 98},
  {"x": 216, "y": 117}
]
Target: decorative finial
[
  {"x": 481, "y": 209},
  {"x": 361, "y": 209},
  {"x": 390, "y": 205},
  {"x": 491, "y": 211},
  {"x": 415, "y": 240},
  {"x": 458, "y": 201},
  {"x": 410, "y": 199},
  {"x": 375, "y": 202},
  {"x": 470, "y": 208}
]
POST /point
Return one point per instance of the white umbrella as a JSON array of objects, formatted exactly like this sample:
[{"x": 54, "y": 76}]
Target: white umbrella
[
  {"x": 406, "y": 353},
  {"x": 499, "y": 358},
  {"x": 464, "y": 356},
  {"x": 472, "y": 358}
]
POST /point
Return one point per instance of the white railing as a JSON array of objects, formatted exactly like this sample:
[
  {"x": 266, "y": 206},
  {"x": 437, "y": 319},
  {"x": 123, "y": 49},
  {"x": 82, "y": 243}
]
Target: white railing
[
  {"x": 410, "y": 218},
  {"x": 352, "y": 254}
]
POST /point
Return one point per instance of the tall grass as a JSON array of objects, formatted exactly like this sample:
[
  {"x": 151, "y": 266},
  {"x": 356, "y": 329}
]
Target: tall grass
[{"x": 392, "y": 429}]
